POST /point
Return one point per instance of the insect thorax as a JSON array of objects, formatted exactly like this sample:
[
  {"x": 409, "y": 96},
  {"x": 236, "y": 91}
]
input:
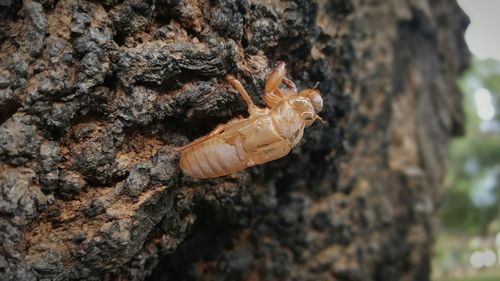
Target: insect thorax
[{"x": 287, "y": 120}]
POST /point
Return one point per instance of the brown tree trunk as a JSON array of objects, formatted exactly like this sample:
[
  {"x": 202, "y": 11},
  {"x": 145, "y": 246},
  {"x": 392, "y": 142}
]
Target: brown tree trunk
[{"x": 95, "y": 96}]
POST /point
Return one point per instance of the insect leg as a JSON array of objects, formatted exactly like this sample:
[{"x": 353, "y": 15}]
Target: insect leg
[
  {"x": 273, "y": 98},
  {"x": 237, "y": 85},
  {"x": 272, "y": 94},
  {"x": 275, "y": 78},
  {"x": 290, "y": 85},
  {"x": 214, "y": 132},
  {"x": 218, "y": 130}
]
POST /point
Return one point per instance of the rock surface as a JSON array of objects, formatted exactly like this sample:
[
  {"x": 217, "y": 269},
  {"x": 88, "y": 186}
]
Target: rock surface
[{"x": 95, "y": 96}]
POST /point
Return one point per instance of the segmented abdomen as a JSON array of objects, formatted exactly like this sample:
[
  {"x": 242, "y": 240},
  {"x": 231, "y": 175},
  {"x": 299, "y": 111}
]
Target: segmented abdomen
[{"x": 213, "y": 158}]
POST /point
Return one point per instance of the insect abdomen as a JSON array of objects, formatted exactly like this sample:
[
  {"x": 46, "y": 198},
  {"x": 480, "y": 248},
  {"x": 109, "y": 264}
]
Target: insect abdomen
[{"x": 213, "y": 158}]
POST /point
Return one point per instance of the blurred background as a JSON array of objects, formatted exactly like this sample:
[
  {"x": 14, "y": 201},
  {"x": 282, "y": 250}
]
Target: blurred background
[{"x": 467, "y": 245}]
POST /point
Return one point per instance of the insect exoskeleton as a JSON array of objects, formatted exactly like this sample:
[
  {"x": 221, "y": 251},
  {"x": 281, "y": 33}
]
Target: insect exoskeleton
[{"x": 267, "y": 134}]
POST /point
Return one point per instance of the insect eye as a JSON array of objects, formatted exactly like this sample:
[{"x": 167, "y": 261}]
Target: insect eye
[
  {"x": 315, "y": 97},
  {"x": 317, "y": 102}
]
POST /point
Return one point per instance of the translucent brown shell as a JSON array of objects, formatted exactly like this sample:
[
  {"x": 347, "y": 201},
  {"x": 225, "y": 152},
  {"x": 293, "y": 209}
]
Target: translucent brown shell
[{"x": 267, "y": 134}]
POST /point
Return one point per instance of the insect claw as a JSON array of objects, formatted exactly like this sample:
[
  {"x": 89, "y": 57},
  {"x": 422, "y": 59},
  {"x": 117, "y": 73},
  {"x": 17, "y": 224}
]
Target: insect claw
[
  {"x": 238, "y": 87},
  {"x": 320, "y": 119}
]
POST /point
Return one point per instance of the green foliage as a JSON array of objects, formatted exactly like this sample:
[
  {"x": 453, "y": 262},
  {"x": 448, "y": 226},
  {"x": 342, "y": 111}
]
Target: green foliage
[{"x": 473, "y": 158}]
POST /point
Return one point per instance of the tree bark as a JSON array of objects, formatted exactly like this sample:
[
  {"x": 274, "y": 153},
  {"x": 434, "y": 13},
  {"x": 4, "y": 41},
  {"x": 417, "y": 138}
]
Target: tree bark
[{"x": 95, "y": 96}]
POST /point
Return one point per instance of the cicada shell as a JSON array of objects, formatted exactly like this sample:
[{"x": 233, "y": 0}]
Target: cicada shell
[{"x": 266, "y": 135}]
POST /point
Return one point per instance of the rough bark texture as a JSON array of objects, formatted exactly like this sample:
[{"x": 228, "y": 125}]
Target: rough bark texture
[{"x": 94, "y": 96}]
